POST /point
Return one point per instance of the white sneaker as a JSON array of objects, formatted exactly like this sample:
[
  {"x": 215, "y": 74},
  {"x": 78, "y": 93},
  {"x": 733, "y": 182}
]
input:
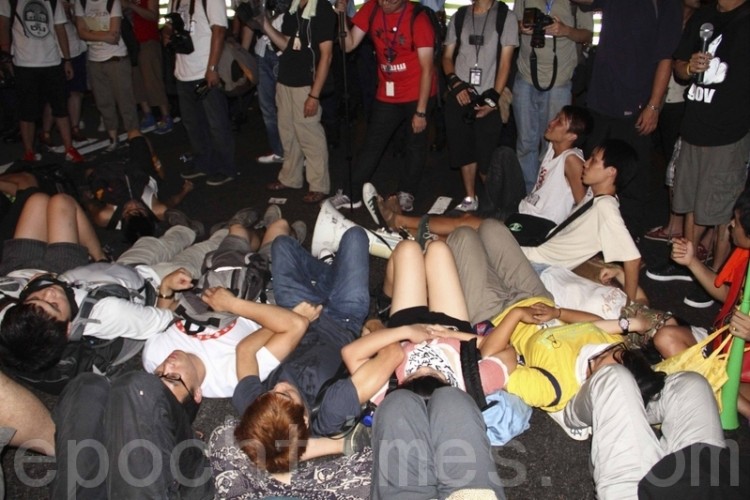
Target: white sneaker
[
  {"x": 468, "y": 204},
  {"x": 326, "y": 255},
  {"x": 270, "y": 158},
  {"x": 370, "y": 197},
  {"x": 579, "y": 434},
  {"x": 113, "y": 145},
  {"x": 340, "y": 200},
  {"x": 406, "y": 201}
]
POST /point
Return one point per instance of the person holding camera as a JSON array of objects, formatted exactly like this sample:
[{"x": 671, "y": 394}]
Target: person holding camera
[
  {"x": 477, "y": 59},
  {"x": 196, "y": 29},
  {"x": 550, "y": 32}
]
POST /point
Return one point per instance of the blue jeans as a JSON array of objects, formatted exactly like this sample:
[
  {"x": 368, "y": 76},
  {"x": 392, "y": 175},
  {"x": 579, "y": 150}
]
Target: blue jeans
[
  {"x": 385, "y": 121},
  {"x": 533, "y": 110},
  {"x": 342, "y": 288},
  {"x": 268, "y": 71},
  {"x": 207, "y": 123}
]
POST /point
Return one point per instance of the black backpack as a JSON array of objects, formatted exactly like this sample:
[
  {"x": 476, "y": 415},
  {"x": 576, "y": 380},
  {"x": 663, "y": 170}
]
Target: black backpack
[
  {"x": 87, "y": 354},
  {"x": 126, "y": 32},
  {"x": 437, "y": 27}
]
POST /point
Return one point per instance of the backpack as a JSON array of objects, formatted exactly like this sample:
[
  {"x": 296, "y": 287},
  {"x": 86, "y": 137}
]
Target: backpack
[
  {"x": 460, "y": 16},
  {"x": 126, "y": 32},
  {"x": 88, "y": 354},
  {"x": 245, "y": 275},
  {"x": 437, "y": 28}
]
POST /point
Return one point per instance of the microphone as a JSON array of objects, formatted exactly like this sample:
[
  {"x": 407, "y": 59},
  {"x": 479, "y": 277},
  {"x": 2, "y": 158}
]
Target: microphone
[{"x": 705, "y": 33}]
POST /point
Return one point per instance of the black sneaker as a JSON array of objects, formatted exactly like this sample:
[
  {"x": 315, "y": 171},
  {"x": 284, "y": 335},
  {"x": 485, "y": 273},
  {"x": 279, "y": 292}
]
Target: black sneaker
[
  {"x": 697, "y": 297},
  {"x": 218, "y": 179},
  {"x": 670, "y": 272},
  {"x": 191, "y": 173}
]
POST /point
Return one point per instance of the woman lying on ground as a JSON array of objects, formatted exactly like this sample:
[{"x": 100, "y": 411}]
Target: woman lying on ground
[{"x": 427, "y": 297}]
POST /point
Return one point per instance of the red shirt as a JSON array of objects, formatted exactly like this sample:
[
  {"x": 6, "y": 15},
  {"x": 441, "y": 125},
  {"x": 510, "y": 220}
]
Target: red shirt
[
  {"x": 144, "y": 29},
  {"x": 403, "y": 70}
]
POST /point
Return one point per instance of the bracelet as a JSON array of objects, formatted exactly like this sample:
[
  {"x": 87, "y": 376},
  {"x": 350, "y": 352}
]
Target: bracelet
[
  {"x": 212, "y": 68},
  {"x": 652, "y": 107},
  {"x": 67, "y": 59},
  {"x": 420, "y": 114},
  {"x": 689, "y": 73},
  {"x": 166, "y": 297},
  {"x": 560, "y": 313},
  {"x": 313, "y": 97}
]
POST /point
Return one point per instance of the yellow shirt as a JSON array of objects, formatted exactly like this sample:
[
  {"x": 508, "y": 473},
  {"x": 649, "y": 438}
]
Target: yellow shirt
[{"x": 554, "y": 350}]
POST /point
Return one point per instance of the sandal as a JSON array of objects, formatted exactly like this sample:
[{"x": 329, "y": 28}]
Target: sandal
[
  {"x": 313, "y": 197},
  {"x": 277, "y": 186},
  {"x": 656, "y": 319}
]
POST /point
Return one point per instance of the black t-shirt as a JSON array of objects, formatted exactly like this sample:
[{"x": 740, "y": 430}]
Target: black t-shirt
[
  {"x": 297, "y": 67},
  {"x": 717, "y": 111},
  {"x": 316, "y": 360}
]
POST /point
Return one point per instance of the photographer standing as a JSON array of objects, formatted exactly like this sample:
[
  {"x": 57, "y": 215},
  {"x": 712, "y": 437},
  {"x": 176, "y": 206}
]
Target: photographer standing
[
  {"x": 550, "y": 30},
  {"x": 477, "y": 59},
  {"x": 197, "y": 37}
]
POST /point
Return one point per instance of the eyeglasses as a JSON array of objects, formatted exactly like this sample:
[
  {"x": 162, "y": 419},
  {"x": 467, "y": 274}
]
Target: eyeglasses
[
  {"x": 614, "y": 347},
  {"x": 176, "y": 377}
]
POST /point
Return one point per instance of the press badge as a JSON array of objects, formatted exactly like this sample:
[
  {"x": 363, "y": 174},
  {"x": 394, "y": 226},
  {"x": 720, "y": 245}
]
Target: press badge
[
  {"x": 475, "y": 76},
  {"x": 390, "y": 89}
]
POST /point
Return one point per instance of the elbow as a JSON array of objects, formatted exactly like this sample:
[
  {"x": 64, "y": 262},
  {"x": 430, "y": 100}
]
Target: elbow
[
  {"x": 299, "y": 324},
  {"x": 394, "y": 353},
  {"x": 348, "y": 356}
]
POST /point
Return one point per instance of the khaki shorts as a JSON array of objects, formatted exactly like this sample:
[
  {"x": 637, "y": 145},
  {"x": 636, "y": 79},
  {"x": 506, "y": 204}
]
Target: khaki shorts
[{"x": 709, "y": 180}]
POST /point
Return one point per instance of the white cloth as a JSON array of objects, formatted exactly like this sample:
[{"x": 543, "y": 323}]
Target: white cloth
[
  {"x": 216, "y": 350},
  {"x": 552, "y": 197},
  {"x": 150, "y": 191},
  {"x": 34, "y": 41},
  {"x": 599, "y": 229},
  {"x": 114, "y": 317},
  {"x": 191, "y": 67},
  {"x": 575, "y": 292},
  {"x": 76, "y": 45},
  {"x": 97, "y": 18}
]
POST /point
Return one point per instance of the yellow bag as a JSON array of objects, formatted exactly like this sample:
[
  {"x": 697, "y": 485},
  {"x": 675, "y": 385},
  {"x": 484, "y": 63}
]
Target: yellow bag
[{"x": 713, "y": 367}]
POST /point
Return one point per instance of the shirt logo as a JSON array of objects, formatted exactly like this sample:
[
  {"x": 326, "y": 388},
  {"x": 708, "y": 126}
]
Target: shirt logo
[{"x": 36, "y": 19}]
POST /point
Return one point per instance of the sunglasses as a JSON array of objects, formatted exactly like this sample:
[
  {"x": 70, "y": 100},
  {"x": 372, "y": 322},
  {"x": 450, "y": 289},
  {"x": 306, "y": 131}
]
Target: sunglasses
[
  {"x": 176, "y": 377},
  {"x": 612, "y": 348}
]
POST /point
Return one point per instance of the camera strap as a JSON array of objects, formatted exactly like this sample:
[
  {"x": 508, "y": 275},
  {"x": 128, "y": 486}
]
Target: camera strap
[
  {"x": 478, "y": 46},
  {"x": 534, "y": 72}
]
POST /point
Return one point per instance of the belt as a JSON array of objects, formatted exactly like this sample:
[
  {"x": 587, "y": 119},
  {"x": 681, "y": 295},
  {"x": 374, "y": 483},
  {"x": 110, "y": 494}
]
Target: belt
[{"x": 114, "y": 59}]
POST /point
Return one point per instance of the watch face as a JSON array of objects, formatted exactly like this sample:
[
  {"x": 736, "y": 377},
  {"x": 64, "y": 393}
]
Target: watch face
[{"x": 624, "y": 324}]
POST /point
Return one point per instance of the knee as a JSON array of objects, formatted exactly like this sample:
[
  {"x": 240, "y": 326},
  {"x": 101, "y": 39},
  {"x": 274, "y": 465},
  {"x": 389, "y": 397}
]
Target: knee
[
  {"x": 460, "y": 236},
  {"x": 60, "y": 202},
  {"x": 355, "y": 236},
  {"x": 37, "y": 201},
  {"x": 613, "y": 378},
  {"x": 398, "y": 404},
  {"x": 282, "y": 248},
  {"x": 494, "y": 228},
  {"x": 437, "y": 253},
  {"x": 281, "y": 227},
  {"x": 406, "y": 248},
  {"x": 688, "y": 386}
]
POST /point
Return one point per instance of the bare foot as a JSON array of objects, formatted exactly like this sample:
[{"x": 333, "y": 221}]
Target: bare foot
[{"x": 387, "y": 213}]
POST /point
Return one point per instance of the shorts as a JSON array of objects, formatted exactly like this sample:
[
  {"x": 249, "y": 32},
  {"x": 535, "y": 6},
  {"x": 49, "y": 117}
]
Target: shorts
[
  {"x": 420, "y": 314},
  {"x": 470, "y": 142},
  {"x": 79, "y": 83},
  {"x": 38, "y": 86},
  {"x": 57, "y": 258},
  {"x": 709, "y": 180}
]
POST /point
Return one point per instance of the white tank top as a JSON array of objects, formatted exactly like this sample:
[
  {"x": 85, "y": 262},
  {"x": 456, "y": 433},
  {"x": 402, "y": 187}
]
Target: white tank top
[{"x": 552, "y": 197}]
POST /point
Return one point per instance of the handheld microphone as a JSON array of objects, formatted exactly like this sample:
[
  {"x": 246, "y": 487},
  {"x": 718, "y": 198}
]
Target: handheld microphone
[{"x": 705, "y": 33}]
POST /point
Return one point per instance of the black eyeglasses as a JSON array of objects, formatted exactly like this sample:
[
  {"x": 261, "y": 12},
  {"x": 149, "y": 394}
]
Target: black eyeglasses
[
  {"x": 611, "y": 348},
  {"x": 176, "y": 377}
]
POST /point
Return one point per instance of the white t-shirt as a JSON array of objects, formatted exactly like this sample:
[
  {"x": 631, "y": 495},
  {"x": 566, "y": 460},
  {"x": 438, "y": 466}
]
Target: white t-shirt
[
  {"x": 599, "y": 229},
  {"x": 552, "y": 197},
  {"x": 34, "y": 41},
  {"x": 191, "y": 67},
  {"x": 77, "y": 46},
  {"x": 217, "y": 350},
  {"x": 97, "y": 18},
  {"x": 113, "y": 317}
]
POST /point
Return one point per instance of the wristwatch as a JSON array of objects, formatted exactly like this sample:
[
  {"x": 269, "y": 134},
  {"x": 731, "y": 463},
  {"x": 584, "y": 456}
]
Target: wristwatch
[
  {"x": 624, "y": 324},
  {"x": 212, "y": 68}
]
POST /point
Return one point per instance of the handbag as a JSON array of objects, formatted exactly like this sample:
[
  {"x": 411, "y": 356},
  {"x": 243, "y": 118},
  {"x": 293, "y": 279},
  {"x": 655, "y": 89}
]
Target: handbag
[
  {"x": 713, "y": 367},
  {"x": 529, "y": 230}
]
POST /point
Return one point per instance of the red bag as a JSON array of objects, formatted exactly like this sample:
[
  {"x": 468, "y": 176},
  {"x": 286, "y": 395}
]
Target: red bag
[{"x": 733, "y": 272}]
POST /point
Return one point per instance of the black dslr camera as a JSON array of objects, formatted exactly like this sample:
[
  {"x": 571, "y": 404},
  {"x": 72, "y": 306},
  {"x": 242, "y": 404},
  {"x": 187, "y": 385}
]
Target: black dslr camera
[
  {"x": 536, "y": 20},
  {"x": 180, "y": 41}
]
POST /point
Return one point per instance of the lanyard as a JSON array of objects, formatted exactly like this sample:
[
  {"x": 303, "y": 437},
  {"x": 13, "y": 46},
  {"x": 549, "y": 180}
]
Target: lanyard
[
  {"x": 390, "y": 53},
  {"x": 473, "y": 30},
  {"x": 549, "y": 4}
]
